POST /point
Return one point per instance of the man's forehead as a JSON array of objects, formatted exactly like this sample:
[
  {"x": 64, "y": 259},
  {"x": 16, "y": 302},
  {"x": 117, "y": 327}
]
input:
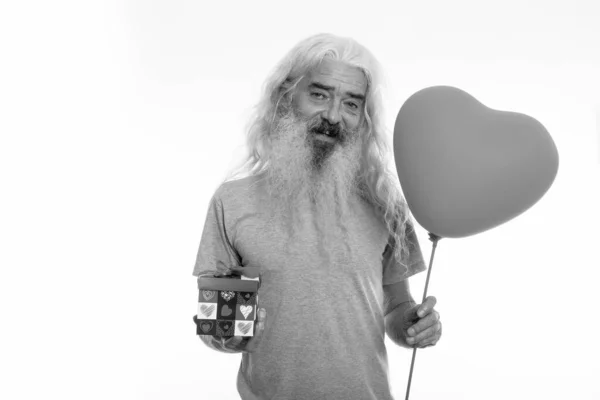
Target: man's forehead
[{"x": 338, "y": 74}]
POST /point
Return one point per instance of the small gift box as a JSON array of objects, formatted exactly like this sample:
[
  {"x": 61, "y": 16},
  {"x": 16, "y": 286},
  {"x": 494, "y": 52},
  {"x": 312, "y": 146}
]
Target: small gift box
[{"x": 227, "y": 306}]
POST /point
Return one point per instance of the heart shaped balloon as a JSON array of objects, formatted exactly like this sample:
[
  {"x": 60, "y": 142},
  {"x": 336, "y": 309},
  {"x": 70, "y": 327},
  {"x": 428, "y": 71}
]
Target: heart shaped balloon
[{"x": 465, "y": 168}]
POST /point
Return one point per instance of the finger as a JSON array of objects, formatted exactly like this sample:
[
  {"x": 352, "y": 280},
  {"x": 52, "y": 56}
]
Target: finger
[
  {"x": 423, "y": 346},
  {"x": 260, "y": 327},
  {"x": 423, "y": 323},
  {"x": 431, "y": 341},
  {"x": 427, "y": 306},
  {"x": 425, "y": 335},
  {"x": 410, "y": 315}
]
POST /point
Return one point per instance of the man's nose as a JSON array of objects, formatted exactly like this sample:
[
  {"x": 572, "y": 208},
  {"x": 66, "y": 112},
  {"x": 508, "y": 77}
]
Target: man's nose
[{"x": 332, "y": 114}]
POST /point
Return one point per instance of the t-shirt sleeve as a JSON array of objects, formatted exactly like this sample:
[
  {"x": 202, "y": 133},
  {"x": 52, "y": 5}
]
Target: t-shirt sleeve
[
  {"x": 216, "y": 252},
  {"x": 395, "y": 271}
]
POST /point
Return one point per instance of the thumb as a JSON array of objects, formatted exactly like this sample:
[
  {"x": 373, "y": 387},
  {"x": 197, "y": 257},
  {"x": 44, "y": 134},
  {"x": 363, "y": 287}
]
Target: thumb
[{"x": 410, "y": 315}]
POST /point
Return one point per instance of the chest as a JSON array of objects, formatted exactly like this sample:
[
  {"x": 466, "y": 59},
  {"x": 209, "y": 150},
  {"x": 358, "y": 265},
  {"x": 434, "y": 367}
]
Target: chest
[{"x": 287, "y": 257}]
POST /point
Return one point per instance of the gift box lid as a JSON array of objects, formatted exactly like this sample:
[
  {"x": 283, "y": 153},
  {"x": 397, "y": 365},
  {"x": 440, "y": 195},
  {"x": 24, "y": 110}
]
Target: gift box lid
[
  {"x": 242, "y": 279},
  {"x": 238, "y": 285}
]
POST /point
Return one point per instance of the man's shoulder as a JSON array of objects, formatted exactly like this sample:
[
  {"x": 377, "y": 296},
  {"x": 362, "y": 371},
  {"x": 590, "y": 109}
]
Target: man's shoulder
[{"x": 241, "y": 189}]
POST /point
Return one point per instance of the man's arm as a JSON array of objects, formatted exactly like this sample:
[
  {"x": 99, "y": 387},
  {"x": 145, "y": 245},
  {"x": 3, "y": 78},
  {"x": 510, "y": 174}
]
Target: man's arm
[{"x": 397, "y": 301}]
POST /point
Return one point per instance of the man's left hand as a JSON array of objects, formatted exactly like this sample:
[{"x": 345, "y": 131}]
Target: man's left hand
[{"x": 422, "y": 325}]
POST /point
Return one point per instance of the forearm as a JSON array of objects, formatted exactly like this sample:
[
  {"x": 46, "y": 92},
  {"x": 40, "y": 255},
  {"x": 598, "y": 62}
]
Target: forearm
[{"x": 394, "y": 324}]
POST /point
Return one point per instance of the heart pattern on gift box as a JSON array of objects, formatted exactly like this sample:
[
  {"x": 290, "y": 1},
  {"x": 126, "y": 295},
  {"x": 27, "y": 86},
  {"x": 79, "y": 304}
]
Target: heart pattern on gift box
[
  {"x": 227, "y": 295},
  {"x": 206, "y": 326},
  {"x": 245, "y": 297},
  {"x": 208, "y": 294},
  {"x": 207, "y": 310},
  {"x": 246, "y": 310},
  {"x": 244, "y": 327},
  {"x": 226, "y": 311},
  {"x": 225, "y": 328}
]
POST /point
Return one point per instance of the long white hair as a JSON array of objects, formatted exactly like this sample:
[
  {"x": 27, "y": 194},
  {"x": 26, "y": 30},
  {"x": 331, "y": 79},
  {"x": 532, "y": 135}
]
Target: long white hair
[{"x": 377, "y": 184}]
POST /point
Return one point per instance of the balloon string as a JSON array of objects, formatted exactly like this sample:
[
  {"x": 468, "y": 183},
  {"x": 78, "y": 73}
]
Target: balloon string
[{"x": 434, "y": 239}]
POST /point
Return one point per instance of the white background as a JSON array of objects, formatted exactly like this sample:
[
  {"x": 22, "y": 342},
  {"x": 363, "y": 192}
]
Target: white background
[{"x": 119, "y": 118}]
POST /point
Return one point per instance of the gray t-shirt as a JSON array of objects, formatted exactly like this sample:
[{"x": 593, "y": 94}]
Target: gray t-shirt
[{"x": 324, "y": 336}]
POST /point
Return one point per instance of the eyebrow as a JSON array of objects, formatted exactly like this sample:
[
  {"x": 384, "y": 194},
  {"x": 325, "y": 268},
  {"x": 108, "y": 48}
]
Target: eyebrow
[{"x": 354, "y": 95}]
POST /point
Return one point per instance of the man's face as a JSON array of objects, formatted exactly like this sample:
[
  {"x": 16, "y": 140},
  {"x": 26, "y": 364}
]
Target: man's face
[
  {"x": 331, "y": 98},
  {"x": 315, "y": 146}
]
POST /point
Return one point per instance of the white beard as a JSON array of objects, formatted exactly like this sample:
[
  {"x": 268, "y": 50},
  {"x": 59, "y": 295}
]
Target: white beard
[{"x": 307, "y": 172}]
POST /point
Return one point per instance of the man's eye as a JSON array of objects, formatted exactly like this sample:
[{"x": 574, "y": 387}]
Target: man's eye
[
  {"x": 353, "y": 105},
  {"x": 318, "y": 95}
]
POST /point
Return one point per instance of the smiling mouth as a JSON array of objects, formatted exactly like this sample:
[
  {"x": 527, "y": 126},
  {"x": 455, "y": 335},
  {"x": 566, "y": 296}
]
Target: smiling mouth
[
  {"x": 324, "y": 136},
  {"x": 321, "y": 136}
]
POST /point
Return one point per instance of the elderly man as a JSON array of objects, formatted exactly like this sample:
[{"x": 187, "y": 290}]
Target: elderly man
[{"x": 322, "y": 217}]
